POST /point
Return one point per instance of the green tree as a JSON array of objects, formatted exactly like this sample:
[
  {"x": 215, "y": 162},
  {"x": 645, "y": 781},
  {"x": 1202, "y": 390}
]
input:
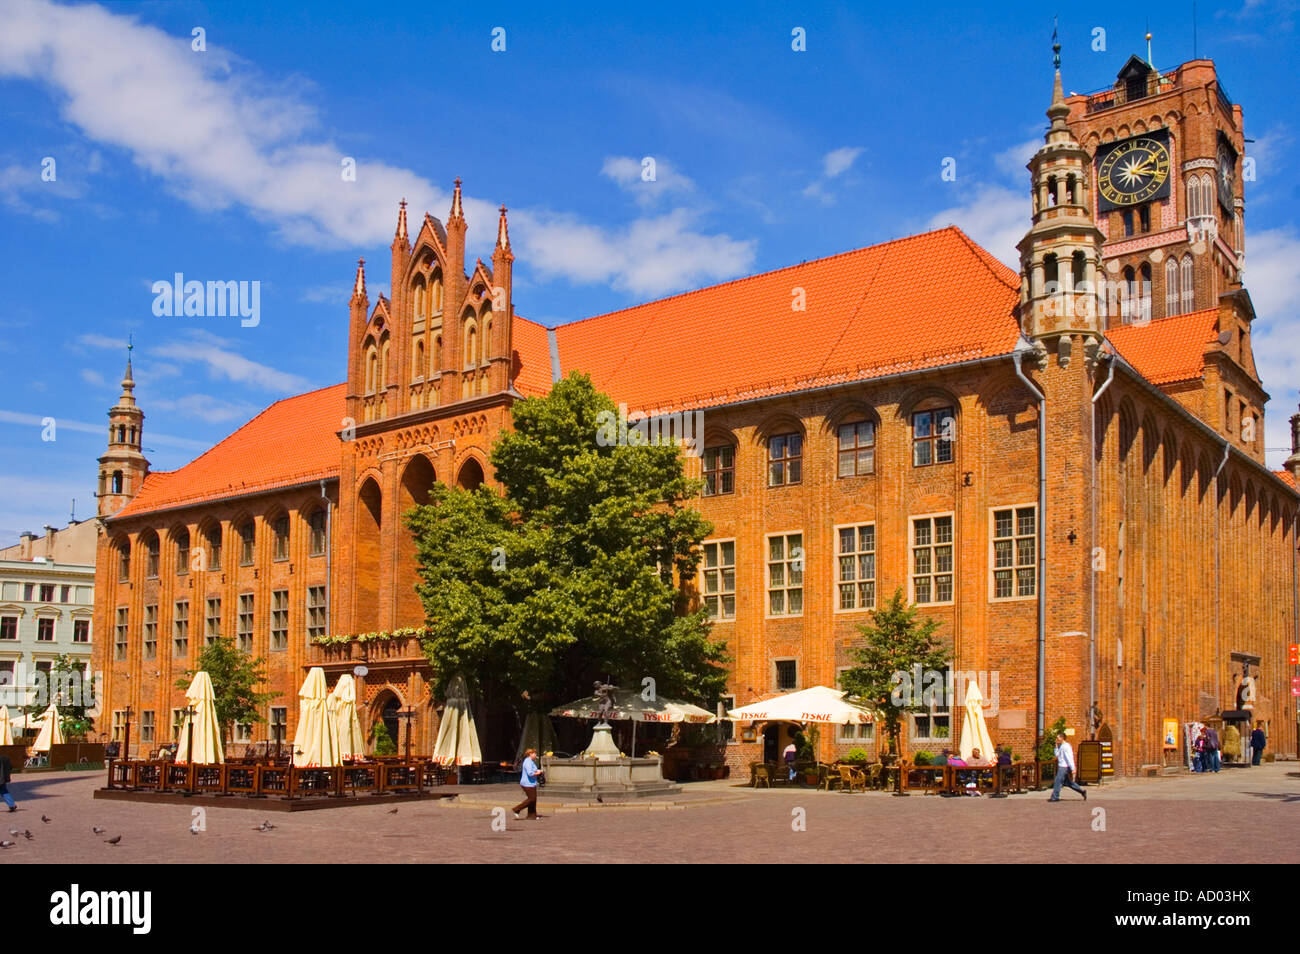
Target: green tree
[
  {"x": 68, "y": 686},
  {"x": 567, "y": 574},
  {"x": 897, "y": 640},
  {"x": 236, "y": 676},
  {"x": 383, "y": 743}
]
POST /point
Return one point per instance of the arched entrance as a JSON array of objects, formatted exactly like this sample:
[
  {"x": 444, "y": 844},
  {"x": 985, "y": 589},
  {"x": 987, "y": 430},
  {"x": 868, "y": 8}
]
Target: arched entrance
[
  {"x": 365, "y": 569},
  {"x": 470, "y": 476},
  {"x": 385, "y": 709},
  {"x": 413, "y": 491}
]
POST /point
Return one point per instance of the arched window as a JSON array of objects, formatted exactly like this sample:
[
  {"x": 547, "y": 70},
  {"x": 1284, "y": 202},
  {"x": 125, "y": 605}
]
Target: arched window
[
  {"x": 1189, "y": 287},
  {"x": 383, "y": 363},
  {"x": 1171, "y": 286},
  {"x": 1051, "y": 274},
  {"x": 1051, "y": 190},
  {"x": 372, "y": 369},
  {"x": 182, "y": 538},
  {"x": 1128, "y": 294},
  {"x": 124, "y": 561},
  {"x": 1078, "y": 269},
  {"x": 281, "y": 528},
  {"x": 117, "y": 482},
  {"x": 213, "y": 538},
  {"x": 435, "y": 290},
  {"x": 487, "y": 335},
  {"x": 417, "y": 367},
  {"x": 1193, "y": 197},
  {"x": 420, "y": 300},
  {"x": 317, "y": 524},
  {"x": 151, "y": 557},
  {"x": 121, "y": 433},
  {"x": 1145, "y": 312},
  {"x": 435, "y": 366},
  {"x": 471, "y": 344},
  {"x": 246, "y": 540},
  {"x": 1072, "y": 188},
  {"x": 856, "y": 448},
  {"x": 1207, "y": 194}
]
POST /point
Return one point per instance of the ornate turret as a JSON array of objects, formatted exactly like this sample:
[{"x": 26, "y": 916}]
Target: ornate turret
[
  {"x": 501, "y": 346},
  {"x": 123, "y": 466},
  {"x": 1060, "y": 256}
]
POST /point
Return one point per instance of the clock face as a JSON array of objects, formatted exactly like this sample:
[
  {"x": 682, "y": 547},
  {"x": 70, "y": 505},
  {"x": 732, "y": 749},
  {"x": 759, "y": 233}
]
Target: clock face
[
  {"x": 1227, "y": 166},
  {"x": 1134, "y": 171}
]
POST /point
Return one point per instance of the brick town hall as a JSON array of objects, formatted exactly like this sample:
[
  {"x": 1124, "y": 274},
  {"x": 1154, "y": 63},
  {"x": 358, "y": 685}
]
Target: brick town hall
[{"x": 1064, "y": 466}]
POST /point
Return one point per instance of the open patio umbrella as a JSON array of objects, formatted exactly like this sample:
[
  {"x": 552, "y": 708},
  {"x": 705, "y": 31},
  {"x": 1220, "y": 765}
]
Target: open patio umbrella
[
  {"x": 51, "y": 731},
  {"x": 630, "y": 705},
  {"x": 817, "y": 704},
  {"x": 316, "y": 742},
  {"x": 974, "y": 730},
  {"x": 457, "y": 736},
  {"x": 6, "y": 731},
  {"x": 207, "y": 731},
  {"x": 343, "y": 705}
]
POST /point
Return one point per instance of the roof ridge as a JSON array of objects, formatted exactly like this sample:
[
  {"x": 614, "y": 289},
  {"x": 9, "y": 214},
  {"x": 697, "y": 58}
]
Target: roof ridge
[
  {"x": 774, "y": 271},
  {"x": 983, "y": 255}
]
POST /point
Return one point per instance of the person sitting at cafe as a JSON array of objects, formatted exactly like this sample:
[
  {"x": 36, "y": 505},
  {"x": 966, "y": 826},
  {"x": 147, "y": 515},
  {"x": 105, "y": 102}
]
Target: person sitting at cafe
[
  {"x": 978, "y": 760},
  {"x": 1004, "y": 756}
]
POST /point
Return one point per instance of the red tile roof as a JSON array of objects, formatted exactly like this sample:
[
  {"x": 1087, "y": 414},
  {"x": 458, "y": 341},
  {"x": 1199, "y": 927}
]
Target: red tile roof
[
  {"x": 917, "y": 302},
  {"x": 1168, "y": 350},
  {"x": 293, "y": 441},
  {"x": 530, "y": 340},
  {"x": 1286, "y": 477}
]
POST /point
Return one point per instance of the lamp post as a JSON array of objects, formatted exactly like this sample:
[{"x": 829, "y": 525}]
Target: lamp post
[
  {"x": 407, "y": 714},
  {"x": 126, "y": 741},
  {"x": 190, "y": 713}
]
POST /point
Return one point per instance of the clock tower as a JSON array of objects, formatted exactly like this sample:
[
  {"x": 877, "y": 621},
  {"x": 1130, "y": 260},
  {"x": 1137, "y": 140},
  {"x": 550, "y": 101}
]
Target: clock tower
[{"x": 1167, "y": 156}]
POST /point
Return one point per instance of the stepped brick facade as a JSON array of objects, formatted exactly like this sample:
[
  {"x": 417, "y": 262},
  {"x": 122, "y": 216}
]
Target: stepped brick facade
[{"x": 1071, "y": 482}]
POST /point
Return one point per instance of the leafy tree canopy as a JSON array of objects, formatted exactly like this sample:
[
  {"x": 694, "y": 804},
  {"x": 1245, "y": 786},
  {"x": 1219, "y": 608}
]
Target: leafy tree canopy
[{"x": 566, "y": 574}]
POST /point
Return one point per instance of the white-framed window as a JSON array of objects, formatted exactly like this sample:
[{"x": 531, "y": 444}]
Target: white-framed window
[
  {"x": 244, "y": 623},
  {"x": 785, "y": 674},
  {"x": 181, "y": 629},
  {"x": 8, "y": 627},
  {"x": 1014, "y": 552},
  {"x": 933, "y": 434},
  {"x": 119, "y": 724},
  {"x": 150, "y": 641},
  {"x": 147, "y": 726},
  {"x": 718, "y": 579},
  {"x": 81, "y": 630},
  {"x": 119, "y": 634},
  {"x": 855, "y": 567},
  {"x": 862, "y": 734},
  {"x": 212, "y": 621},
  {"x": 279, "y": 619},
  {"x": 932, "y": 558},
  {"x": 243, "y": 732},
  {"x": 856, "y": 449},
  {"x": 315, "y": 612},
  {"x": 785, "y": 561},
  {"x": 45, "y": 629}
]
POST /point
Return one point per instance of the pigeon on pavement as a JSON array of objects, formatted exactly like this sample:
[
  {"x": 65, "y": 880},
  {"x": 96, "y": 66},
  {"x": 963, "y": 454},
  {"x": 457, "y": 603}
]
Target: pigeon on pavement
[
  {"x": 44, "y": 819},
  {"x": 113, "y": 841},
  {"x": 393, "y": 812},
  {"x": 97, "y": 830},
  {"x": 6, "y": 844}
]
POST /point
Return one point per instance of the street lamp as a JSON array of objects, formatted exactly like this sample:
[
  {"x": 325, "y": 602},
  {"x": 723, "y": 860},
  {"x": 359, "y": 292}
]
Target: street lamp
[
  {"x": 407, "y": 714},
  {"x": 190, "y": 712},
  {"x": 126, "y": 742}
]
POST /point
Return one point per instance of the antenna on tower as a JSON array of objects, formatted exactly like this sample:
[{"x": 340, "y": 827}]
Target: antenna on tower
[
  {"x": 72, "y": 517},
  {"x": 1194, "y": 47},
  {"x": 1056, "y": 46}
]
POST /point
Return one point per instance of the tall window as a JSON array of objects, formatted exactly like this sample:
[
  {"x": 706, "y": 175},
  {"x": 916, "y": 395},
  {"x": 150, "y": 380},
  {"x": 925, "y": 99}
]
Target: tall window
[
  {"x": 281, "y": 527},
  {"x": 315, "y": 612},
  {"x": 81, "y": 630},
  {"x": 785, "y": 459},
  {"x": 1014, "y": 553},
  {"x": 246, "y": 537},
  {"x": 856, "y": 567},
  {"x": 151, "y": 559},
  {"x": 1144, "y": 310},
  {"x": 279, "y": 619},
  {"x": 857, "y": 448},
  {"x": 417, "y": 368},
  {"x": 719, "y": 579},
  {"x": 147, "y": 726},
  {"x": 934, "y": 722},
  {"x": 1171, "y": 286},
  {"x": 182, "y": 552},
  {"x": 119, "y": 634},
  {"x": 719, "y": 470},
  {"x": 47, "y": 592},
  {"x": 279, "y": 723},
  {"x": 119, "y": 724},
  {"x": 317, "y": 524},
  {"x": 933, "y": 433},
  {"x": 212, "y": 621},
  {"x": 786, "y": 672},
  {"x": 214, "y": 549},
  {"x": 1189, "y": 288},
  {"x": 151, "y": 631},
  {"x": 124, "y": 563},
  {"x": 471, "y": 345},
  {"x": 181, "y": 629},
  {"x": 8, "y": 627},
  {"x": 932, "y": 560},
  {"x": 178, "y": 724},
  {"x": 244, "y": 623},
  {"x": 1128, "y": 221},
  {"x": 1144, "y": 218},
  {"x": 785, "y": 558},
  {"x": 45, "y": 629}
]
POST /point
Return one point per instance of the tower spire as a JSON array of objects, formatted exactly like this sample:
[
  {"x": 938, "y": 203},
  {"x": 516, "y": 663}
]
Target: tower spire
[
  {"x": 359, "y": 286},
  {"x": 503, "y": 232},
  {"x": 457, "y": 211},
  {"x": 401, "y": 221}
]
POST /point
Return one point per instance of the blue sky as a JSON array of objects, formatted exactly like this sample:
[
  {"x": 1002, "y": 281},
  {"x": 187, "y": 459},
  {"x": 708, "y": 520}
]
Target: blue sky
[{"x": 224, "y": 164}]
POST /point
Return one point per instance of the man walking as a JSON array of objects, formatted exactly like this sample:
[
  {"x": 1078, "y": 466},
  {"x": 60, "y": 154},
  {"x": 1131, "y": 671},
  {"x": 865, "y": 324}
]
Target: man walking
[
  {"x": 1257, "y": 741},
  {"x": 1065, "y": 770},
  {"x": 528, "y": 782},
  {"x": 1212, "y": 747},
  {"x": 6, "y": 772}
]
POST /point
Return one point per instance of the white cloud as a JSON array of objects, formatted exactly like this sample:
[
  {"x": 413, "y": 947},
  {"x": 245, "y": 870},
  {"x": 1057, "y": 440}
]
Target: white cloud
[
  {"x": 650, "y": 256},
  {"x": 337, "y": 294},
  {"x": 224, "y": 364},
  {"x": 629, "y": 174},
  {"x": 1011, "y": 162},
  {"x": 994, "y": 216},
  {"x": 1272, "y": 277},
  {"x": 22, "y": 419},
  {"x": 206, "y": 407},
  {"x": 839, "y": 160},
  {"x": 91, "y": 376}
]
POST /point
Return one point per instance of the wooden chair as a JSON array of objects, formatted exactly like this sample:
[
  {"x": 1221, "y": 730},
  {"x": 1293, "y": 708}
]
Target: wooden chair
[
  {"x": 852, "y": 779},
  {"x": 760, "y": 773},
  {"x": 875, "y": 775},
  {"x": 830, "y": 778}
]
